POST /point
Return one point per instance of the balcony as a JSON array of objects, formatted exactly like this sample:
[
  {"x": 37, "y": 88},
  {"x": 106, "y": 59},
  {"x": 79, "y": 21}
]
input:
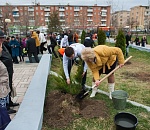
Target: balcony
[
  {"x": 76, "y": 20},
  {"x": 15, "y": 10},
  {"x": 76, "y": 10},
  {"x": 103, "y": 20},
  {"x": 89, "y": 14},
  {"x": 15, "y": 15},
  {"x": 89, "y": 20},
  {"x": 62, "y": 20},
  {"x": 61, "y": 9},
  {"x": 62, "y": 15},
  {"x": 31, "y": 14},
  {"x": 47, "y": 9},
  {"x": 104, "y": 25},
  {"x": 76, "y": 14},
  {"x": 47, "y": 15},
  {"x": 46, "y": 20},
  {"x": 103, "y": 10},
  {"x": 1, "y": 16},
  {"x": 89, "y": 10},
  {"x": 103, "y": 14},
  {"x": 16, "y": 21},
  {"x": 30, "y": 9},
  {"x": 31, "y": 21}
]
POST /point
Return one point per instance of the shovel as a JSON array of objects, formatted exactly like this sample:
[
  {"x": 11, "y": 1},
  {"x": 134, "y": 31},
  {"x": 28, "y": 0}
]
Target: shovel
[{"x": 84, "y": 93}]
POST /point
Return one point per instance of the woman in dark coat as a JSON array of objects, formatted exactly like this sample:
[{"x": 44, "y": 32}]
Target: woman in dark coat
[{"x": 14, "y": 44}]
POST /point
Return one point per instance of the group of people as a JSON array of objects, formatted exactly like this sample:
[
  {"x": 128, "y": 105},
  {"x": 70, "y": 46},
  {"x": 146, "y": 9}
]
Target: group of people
[
  {"x": 141, "y": 42},
  {"x": 100, "y": 59}
]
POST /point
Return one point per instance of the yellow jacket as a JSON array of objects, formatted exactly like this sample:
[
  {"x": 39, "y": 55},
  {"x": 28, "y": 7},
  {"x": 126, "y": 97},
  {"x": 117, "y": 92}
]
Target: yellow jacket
[
  {"x": 105, "y": 56},
  {"x": 35, "y": 36}
]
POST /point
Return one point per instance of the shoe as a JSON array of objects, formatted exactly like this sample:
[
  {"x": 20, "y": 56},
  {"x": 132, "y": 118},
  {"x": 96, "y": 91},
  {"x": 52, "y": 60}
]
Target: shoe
[
  {"x": 11, "y": 111},
  {"x": 14, "y": 104},
  {"x": 94, "y": 91}
]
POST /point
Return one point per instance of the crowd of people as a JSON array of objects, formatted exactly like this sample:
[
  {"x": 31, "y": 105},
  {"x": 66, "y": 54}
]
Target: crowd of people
[{"x": 100, "y": 59}]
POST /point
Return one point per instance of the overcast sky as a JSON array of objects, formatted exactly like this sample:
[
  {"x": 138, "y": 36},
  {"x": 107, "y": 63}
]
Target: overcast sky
[{"x": 116, "y": 4}]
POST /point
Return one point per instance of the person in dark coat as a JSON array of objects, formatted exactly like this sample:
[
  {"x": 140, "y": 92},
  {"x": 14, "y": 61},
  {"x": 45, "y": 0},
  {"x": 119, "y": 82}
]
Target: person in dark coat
[
  {"x": 7, "y": 61},
  {"x": 31, "y": 49},
  {"x": 70, "y": 37},
  {"x": 128, "y": 40},
  {"x": 52, "y": 45},
  {"x": 14, "y": 44},
  {"x": 137, "y": 41},
  {"x": 143, "y": 41},
  {"x": 88, "y": 42}
]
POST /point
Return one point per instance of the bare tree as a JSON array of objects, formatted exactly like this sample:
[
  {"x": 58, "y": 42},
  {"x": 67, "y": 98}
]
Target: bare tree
[{"x": 54, "y": 23}]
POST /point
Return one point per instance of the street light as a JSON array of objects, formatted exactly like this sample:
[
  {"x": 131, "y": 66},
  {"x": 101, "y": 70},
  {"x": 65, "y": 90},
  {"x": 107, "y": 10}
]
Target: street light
[{"x": 6, "y": 21}]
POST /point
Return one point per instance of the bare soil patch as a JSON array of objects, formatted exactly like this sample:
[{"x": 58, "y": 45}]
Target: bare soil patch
[
  {"x": 142, "y": 76},
  {"x": 61, "y": 109}
]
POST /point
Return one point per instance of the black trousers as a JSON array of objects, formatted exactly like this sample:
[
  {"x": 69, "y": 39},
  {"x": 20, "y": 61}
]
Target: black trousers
[
  {"x": 53, "y": 50},
  {"x": 70, "y": 64},
  {"x": 35, "y": 57},
  {"x": 42, "y": 48}
]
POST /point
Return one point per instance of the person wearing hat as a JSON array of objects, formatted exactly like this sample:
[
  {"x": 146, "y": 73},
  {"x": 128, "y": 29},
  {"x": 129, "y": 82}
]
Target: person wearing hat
[
  {"x": 6, "y": 58},
  {"x": 102, "y": 60}
]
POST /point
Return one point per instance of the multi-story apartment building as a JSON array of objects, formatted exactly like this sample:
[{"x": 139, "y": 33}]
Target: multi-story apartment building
[
  {"x": 140, "y": 17},
  {"x": 70, "y": 16},
  {"x": 120, "y": 19}
]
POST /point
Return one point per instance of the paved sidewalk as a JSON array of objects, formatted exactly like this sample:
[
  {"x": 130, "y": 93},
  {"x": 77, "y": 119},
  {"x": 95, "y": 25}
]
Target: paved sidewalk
[{"x": 23, "y": 73}]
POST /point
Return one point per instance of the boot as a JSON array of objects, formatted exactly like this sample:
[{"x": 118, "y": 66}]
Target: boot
[
  {"x": 94, "y": 90},
  {"x": 111, "y": 89}
]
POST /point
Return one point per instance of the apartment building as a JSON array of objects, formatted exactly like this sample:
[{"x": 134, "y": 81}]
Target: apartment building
[
  {"x": 120, "y": 19},
  {"x": 137, "y": 17},
  {"x": 71, "y": 16}
]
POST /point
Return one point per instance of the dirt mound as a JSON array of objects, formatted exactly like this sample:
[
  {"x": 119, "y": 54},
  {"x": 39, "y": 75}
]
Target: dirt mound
[
  {"x": 142, "y": 76},
  {"x": 61, "y": 109}
]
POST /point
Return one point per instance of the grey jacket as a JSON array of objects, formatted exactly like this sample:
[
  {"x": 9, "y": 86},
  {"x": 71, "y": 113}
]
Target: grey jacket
[{"x": 4, "y": 81}]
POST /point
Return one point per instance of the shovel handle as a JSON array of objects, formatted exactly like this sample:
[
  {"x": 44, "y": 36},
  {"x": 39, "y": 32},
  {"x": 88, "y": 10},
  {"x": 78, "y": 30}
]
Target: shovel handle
[{"x": 115, "y": 69}]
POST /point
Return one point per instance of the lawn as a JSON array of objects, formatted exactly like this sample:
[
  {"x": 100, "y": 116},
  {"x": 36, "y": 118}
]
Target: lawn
[{"x": 134, "y": 78}]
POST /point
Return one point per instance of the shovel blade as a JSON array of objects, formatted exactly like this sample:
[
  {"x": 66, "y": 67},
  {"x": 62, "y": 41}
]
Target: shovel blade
[{"x": 82, "y": 95}]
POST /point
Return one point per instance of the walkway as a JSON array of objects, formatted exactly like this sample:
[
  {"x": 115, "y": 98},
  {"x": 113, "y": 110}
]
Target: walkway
[{"x": 23, "y": 73}]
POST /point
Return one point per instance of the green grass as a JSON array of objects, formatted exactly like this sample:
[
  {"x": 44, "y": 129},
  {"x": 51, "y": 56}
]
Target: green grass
[{"x": 137, "y": 90}]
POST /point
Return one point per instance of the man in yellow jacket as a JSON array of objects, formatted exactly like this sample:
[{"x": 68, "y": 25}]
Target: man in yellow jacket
[{"x": 102, "y": 60}]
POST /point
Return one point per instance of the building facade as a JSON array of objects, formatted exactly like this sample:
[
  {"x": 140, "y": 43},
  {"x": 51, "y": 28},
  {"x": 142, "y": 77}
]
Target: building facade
[
  {"x": 120, "y": 19},
  {"x": 70, "y": 16}
]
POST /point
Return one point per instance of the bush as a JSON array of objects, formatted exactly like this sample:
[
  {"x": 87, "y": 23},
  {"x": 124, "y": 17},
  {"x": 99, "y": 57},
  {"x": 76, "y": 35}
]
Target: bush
[
  {"x": 120, "y": 41},
  {"x": 101, "y": 37}
]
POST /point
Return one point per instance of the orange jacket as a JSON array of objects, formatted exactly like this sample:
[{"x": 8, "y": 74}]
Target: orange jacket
[{"x": 61, "y": 51}]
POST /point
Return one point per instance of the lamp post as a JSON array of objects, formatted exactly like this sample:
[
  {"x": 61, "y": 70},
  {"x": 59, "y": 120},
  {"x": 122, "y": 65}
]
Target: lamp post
[{"x": 6, "y": 21}]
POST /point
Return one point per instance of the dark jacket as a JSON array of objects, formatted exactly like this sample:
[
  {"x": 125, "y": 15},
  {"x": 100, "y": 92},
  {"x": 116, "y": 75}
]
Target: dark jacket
[
  {"x": 70, "y": 37},
  {"x": 53, "y": 41},
  {"x": 128, "y": 38},
  {"x": 88, "y": 42},
  {"x": 31, "y": 45},
  {"x": 14, "y": 44},
  {"x": 7, "y": 59}
]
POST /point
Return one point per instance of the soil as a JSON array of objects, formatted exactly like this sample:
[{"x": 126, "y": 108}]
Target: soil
[
  {"x": 141, "y": 75},
  {"x": 62, "y": 109}
]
